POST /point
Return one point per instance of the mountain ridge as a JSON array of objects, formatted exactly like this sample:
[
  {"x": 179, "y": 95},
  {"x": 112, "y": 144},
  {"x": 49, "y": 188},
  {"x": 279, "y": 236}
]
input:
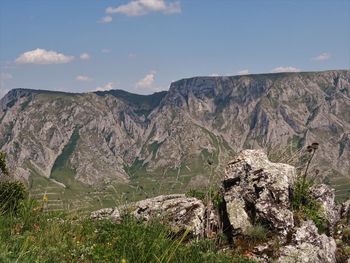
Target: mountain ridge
[{"x": 169, "y": 136}]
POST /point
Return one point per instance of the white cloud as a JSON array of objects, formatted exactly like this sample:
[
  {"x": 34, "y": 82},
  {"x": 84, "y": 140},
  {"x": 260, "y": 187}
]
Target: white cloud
[
  {"x": 105, "y": 50},
  {"x": 83, "y": 78},
  {"x": 285, "y": 69},
  {"x": 132, "y": 55},
  {"x": 84, "y": 56},
  {"x": 105, "y": 20},
  {"x": 243, "y": 72},
  {"x": 106, "y": 87},
  {"x": 144, "y": 7},
  {"x": 42, "y": 56},
  {"x": 147, "y": 81},
  {"x": 322, "y": 57}
]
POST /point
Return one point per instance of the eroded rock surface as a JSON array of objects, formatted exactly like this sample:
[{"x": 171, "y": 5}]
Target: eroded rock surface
[
  {"x": 181, "y": 212},
  {"x": 257, "y": 189},
  {"x": 325, "y": 195},
  {"x": 345, "y": 210},
  {"x": 308, "y": 246}
]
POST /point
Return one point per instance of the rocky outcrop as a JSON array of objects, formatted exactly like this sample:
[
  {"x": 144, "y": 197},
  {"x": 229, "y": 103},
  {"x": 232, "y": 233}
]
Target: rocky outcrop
[
  {"x": 254, "y": 192},
  {"x": 345, "y": 211},
  {"x": 180, "y": 212},
  {"x": 308, "y": 246},
  {"x": 326, "y": 197},
  {"x": 256, "y": 189}
]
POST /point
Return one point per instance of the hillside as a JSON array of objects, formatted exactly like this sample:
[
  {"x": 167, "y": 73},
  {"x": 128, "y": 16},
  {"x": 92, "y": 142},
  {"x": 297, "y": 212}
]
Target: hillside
[{"x": 114, "y": 141}]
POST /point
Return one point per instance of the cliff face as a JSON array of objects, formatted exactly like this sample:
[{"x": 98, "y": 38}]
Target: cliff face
[{"x": 118, "y": 136}]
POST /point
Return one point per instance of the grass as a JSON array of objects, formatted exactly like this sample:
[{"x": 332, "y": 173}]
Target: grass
[
  {"x": 34, "y": 236},
  {"x": 305, "y": 206}
]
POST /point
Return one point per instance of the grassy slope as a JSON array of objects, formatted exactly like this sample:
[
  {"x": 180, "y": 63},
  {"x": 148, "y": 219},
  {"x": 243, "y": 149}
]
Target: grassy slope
[{"x": 33, "y": 236}]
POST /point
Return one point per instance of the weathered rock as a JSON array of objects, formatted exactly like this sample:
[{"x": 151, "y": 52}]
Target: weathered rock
[
  {"x": 325, "y": 195},
  {"x": 180, "y": 212},
  {"x": 308, "y": 246},
  {"x": 257, "y": 189},
  {"x": 107, "y": 213},
  {"x": 345, "y": 210}
]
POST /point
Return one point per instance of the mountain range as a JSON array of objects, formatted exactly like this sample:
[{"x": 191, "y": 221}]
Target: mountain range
[{"x": 76, "y": 143}]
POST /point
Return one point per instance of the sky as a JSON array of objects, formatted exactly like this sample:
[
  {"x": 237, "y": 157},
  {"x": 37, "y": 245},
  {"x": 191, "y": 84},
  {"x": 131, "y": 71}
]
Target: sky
[{"x": 141, "y": 46}]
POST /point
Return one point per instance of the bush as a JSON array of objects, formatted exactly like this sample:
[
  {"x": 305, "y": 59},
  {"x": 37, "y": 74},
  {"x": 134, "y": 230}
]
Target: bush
[
  {"x": 12, "y": 193},
  {"x": 257, "y": 233}
]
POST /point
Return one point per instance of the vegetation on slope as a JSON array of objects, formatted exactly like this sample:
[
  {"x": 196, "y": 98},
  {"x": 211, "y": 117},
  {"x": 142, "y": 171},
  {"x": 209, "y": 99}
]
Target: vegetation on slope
[{"x": 30, "y": 235}]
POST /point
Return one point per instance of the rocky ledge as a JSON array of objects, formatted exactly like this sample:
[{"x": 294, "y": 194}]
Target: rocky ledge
[{"x": 254, "y": 192}]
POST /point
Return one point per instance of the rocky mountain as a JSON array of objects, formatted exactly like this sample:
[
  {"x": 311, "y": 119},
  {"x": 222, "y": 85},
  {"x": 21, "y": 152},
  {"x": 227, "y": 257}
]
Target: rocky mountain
[{"x": 176, "y": 139}]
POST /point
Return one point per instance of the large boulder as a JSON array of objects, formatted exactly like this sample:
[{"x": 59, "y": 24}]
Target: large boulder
[
  {"x": 256, "y": 189},
  {"x": 180, "y": 212},
  {"x": 308, "y": 246}
]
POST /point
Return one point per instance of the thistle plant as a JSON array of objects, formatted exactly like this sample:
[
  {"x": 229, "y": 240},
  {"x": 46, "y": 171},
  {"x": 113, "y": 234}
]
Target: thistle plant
[{"x": 312, "y": 150}]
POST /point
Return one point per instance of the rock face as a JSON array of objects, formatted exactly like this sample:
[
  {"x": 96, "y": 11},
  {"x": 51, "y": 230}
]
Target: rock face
[
  {"x": 325, "y": 196},
  {"x": 108, "y": 136},
  {"x": 345, "y": 211},
  {"x": 308, "y": 246},
  {"x": 256, "y": 189},
  {"x": 182, "y": 213}
]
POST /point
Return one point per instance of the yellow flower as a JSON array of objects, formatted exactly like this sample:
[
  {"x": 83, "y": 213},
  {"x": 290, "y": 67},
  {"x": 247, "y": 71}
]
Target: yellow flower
[
  {"x": 123, "y": 260},
  {"x": 45, "y": 198}
]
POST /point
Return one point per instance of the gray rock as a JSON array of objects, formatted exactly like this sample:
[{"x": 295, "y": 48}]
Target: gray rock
[
  {"x": 325, "y": 195},
  {"x": 257, "y": 189},
  {"x": 345, "y": 210},
  {"x": 107, "y": 213},
  {"x": 181, "y": 212},
  {"x": 308, "y": 246}
]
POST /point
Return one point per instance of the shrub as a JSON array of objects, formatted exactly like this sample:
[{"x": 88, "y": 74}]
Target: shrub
[
  {"x": 257, "y": 233},
  {"x": 12, "y": 193}
]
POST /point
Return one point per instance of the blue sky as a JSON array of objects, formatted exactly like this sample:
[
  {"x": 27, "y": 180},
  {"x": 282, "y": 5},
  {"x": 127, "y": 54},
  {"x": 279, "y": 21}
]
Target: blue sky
[{"x": 143, "y": 45}]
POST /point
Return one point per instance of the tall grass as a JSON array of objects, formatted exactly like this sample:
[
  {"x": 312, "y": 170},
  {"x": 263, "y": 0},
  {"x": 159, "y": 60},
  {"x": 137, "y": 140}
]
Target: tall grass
[{"x": 31, "y": 235}]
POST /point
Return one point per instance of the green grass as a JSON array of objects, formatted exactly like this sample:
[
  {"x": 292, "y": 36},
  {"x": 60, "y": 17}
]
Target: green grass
[
  {"x": 34, "y": 236},
  {"x": 342, "y": 187},
  {"x": 63, "y": 158}
]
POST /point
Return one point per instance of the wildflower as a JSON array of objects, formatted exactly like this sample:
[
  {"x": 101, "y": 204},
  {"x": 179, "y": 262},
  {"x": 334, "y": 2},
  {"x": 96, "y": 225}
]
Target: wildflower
[
  {"x": 36, "y": 227},
  {"x": 45, "y": 198},
  {"x": 123, "y": 260}
]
